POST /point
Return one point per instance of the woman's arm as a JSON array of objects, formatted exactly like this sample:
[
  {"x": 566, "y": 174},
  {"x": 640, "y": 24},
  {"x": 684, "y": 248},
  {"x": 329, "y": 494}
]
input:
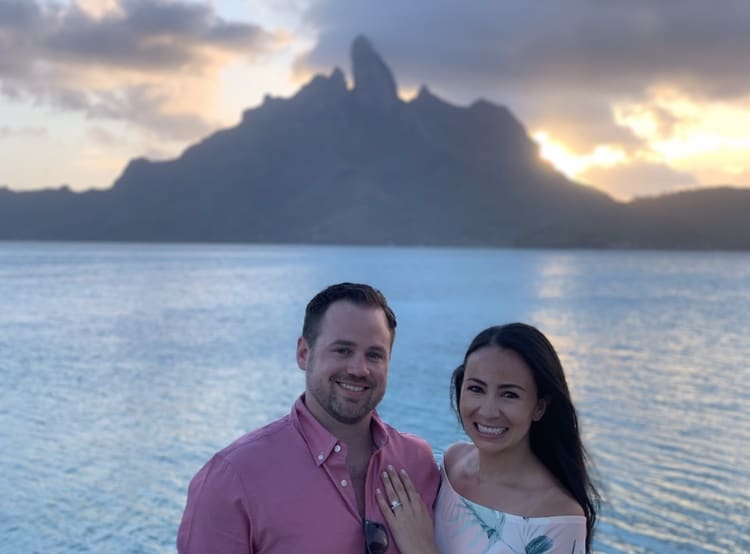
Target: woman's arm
[{"x": 406, "y": 514}]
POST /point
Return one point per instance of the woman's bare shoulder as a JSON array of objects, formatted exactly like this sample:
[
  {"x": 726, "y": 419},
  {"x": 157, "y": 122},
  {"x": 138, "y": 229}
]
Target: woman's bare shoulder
[
  {"x": 557, "y": 501},
  {"x": 562, "y": 504},
  {"x": 456, "y": 461},
  {"x": 456, "y": 452}
]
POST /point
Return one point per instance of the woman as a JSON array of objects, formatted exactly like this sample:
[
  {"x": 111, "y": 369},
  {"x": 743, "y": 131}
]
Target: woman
[{"x": 522, "y": 484}]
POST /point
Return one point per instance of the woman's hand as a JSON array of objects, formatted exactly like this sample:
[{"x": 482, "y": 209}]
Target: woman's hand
[{"x": 407, "y": 516}]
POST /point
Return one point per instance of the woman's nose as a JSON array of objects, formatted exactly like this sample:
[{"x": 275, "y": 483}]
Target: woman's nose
[{"x": 489, "y": 408}]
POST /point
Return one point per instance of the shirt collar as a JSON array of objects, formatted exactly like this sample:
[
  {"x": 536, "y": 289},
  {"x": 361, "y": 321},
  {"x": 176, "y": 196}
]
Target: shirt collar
[{"x": 319, "y": 440}]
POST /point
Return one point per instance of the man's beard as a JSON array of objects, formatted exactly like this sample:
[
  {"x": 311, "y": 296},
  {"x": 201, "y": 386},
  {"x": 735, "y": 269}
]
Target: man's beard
[{"x": 341, "y": 410}]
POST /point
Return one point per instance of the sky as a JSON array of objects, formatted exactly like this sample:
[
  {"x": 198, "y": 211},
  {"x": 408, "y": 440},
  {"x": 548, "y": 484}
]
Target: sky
[{"x": 634, "y": 97}]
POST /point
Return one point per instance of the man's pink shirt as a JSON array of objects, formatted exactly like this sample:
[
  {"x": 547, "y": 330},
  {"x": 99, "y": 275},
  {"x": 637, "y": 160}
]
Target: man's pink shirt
[{"x": 285, "y": 488}]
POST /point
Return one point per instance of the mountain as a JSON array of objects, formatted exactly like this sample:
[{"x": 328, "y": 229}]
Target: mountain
[
  {"x": 704, "y": 219},
  {"x": 360, "y": 166}
]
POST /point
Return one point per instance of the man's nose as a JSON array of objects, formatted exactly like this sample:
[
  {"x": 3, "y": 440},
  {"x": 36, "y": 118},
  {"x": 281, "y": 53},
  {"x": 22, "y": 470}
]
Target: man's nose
[{"x": 358, "y": 365}]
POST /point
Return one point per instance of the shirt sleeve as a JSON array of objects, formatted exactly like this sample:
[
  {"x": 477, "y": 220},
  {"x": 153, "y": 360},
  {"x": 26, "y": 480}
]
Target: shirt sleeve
[{"x": 216, "y": 518}]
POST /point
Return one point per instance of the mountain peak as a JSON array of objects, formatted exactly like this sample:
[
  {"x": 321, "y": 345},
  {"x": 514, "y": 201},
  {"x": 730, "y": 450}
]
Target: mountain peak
[
  {"x": 374, "y": 85},
  {"x": 323, "y": 88}
]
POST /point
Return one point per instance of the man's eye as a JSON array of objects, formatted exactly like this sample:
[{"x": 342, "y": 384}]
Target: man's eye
[
  {"x": 377, "y": 356},
  {"x": 342, "y": 351}
]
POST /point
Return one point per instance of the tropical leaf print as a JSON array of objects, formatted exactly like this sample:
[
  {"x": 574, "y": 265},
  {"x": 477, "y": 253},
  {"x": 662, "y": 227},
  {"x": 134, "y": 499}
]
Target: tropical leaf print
[
  {"x": 493, "y": 529},
  {"x": 539, "y": 545}
]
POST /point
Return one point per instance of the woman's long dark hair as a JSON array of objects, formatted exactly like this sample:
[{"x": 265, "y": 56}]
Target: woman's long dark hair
[{"x": 555, "y": 438}]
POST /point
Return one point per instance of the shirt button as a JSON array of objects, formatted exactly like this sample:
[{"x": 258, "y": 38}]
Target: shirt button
[
  {"x": 337, "y": 448},
  {"x": 320, "y": 456},
  {"x": 344, "y": 482}
]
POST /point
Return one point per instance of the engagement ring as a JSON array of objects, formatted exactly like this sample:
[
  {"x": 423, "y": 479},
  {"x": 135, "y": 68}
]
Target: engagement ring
[{"x": 395, "y": 504}]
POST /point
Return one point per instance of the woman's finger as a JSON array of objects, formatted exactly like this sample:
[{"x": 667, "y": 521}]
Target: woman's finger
[
  {"x": 410, "y": 524},
  {"x": 411, "y": 490},
  {"x": 398, "y": 486},
  {"x": 392, "y": 494},
  {"x": 385, "y": 507}
]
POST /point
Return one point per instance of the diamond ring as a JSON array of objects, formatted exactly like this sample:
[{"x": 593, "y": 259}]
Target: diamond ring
[{"x": 395, "y": 504}]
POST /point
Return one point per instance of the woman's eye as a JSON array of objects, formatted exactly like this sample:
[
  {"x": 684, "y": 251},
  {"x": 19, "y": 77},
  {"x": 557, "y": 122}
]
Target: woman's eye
[
  {"x": 509, "y": 394},
  {"x": 474, "y": 388}
]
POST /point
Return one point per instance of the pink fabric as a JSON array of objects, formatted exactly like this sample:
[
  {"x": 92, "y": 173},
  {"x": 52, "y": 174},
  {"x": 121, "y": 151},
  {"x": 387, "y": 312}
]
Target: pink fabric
[{"x": 285, "y": 488}]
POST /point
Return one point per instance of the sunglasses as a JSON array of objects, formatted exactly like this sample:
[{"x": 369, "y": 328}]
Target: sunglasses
[{"x": 376, "y": 537}]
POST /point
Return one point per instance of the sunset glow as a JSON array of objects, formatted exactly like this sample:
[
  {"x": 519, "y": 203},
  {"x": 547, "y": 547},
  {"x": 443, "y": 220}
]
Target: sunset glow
[
  {"x": 571, "y": 164},
  {"x": 709, "y": 139}
]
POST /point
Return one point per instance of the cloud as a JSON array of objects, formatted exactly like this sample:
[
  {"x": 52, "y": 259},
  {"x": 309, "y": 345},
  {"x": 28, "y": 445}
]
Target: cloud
[
  {"x": 563, "y": 61},
  {"x": 146, "y": 35},
  {"x": 145, "y": 105},
  {"x": 23, "y": 132},
  {"x": 581, "y": 45},
  {"x": 149, "y": 62},
  {"x": 578, "y": 121},
  {"x": 100, "y": 135},
  {"x": 637, "y": 179}
]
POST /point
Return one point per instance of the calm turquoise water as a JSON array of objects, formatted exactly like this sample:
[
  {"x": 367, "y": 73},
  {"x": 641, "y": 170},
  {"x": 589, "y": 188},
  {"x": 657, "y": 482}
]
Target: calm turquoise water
[{"x": 124, "y": 367}]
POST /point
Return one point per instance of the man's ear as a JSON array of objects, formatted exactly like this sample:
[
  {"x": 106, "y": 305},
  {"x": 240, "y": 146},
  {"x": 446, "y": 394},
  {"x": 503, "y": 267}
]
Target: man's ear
[
  {"x": 303, "y": 353},
  {"x": 541, "y": 407}
]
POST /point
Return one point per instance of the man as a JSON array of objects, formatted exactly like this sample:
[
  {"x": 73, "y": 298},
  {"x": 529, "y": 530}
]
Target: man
[{"x": 307, "y": 482}]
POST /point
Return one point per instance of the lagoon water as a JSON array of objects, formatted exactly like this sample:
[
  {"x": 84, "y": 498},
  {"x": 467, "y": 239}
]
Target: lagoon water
[{"x": 123, "y": 367}]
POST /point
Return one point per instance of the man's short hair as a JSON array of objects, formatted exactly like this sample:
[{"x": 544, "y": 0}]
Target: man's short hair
[{"x": 356, "y": 293}]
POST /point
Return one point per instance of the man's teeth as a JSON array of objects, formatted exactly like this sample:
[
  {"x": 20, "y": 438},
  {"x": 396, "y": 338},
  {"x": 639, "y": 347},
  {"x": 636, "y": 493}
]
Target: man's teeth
[
  {"x": 490, "y": 430},
  {"x": 353, "y": 388}
]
